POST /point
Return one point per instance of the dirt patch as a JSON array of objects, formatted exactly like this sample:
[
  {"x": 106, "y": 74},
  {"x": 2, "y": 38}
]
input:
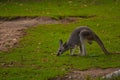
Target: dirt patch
[
  {"x": 84, "y": 75},
  {"x": 11, "y": 64},
  {"x": 12, "y": 29}
]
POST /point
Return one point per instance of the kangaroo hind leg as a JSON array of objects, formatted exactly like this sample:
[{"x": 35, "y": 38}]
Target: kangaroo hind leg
[{"x": 82, "y": 44}]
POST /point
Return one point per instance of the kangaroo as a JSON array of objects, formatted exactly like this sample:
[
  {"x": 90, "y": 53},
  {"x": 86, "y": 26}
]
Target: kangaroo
[{"x": 77, "y": 38}]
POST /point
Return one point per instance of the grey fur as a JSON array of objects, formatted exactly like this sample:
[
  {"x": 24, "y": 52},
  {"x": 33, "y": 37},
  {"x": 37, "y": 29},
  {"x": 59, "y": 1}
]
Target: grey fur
[{"x": 77, "y": 38}]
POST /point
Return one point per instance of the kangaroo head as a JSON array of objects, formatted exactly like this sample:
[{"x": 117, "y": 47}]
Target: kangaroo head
[{"x": 62, "y": 47}]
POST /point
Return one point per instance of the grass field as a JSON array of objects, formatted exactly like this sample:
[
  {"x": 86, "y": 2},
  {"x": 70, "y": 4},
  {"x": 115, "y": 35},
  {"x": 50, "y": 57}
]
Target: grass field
[
  {"x": 62, "y": 8},
  {"x": 35, "y": 57}
]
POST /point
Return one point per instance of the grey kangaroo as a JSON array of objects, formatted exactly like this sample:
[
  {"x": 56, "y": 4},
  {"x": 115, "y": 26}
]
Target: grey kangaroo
[{"x": 77, "y": 38}]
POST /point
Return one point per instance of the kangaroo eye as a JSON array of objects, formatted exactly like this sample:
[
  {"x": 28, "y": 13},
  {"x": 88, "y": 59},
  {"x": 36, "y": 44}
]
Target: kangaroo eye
[{"x": 59, "y": 50}]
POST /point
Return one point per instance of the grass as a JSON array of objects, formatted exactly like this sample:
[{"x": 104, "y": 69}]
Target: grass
[
  {"x": 35, "y": 57},
  {"x": 52, "y": 8}
]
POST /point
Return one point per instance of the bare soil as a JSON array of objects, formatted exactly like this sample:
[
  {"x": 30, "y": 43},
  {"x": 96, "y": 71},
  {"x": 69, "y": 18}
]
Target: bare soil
[
  {"x": 13, "y": 29},
  {"x": 90, "y": 74}
]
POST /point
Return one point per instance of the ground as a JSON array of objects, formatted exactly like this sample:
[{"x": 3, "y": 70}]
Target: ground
[
  {"x": 30, "y": 32},
  {"x": 12, "y": 31},
  {"x": 83, "y": 75}
]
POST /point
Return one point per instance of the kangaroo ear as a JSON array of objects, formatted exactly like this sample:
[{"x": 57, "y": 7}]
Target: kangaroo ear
[
  {"x": 60, "y": 41},
  {"x": 65, "y": 45}
]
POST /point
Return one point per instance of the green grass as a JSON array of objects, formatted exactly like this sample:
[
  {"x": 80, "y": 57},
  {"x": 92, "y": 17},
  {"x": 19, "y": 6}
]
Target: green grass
[
  {"x": 35, "y": 57},
  {"x": 62, "y": 8}
]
